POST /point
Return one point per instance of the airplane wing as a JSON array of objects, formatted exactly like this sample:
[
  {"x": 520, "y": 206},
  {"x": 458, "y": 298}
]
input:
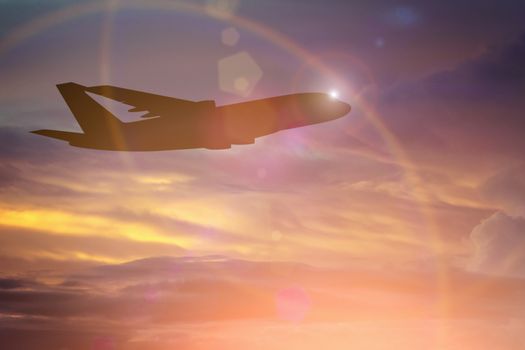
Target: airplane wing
[{"x": 154, "y": 105}]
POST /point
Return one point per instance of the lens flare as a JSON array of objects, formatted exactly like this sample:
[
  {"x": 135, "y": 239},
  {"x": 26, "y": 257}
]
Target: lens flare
[{"x": 334, "y": 94}]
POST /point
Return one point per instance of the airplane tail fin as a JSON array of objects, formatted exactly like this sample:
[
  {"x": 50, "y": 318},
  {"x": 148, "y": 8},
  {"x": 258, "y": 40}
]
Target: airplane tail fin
[
  {"x": 91, "y": 116},
  {"x": 56, "y": 134}
]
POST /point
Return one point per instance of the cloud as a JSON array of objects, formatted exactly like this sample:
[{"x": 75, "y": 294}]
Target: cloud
[
  {"x": 18, "y": 144},
  {"x": 506, "y": 190},
  {"x": 499, "y": 246},
  {"x": 228, "y": 203},
  {"x": 175, "y": 290},
  {"x": 158, "y": 302},
  {"x": 499, "y": 241},
  {"x": 8, "y": 175},
  {"x": 496, "y": 74},
  {"x": 11, "y": 283},
  {"x": 474, "y": 107},
  {"x": 36, "y": 245}
]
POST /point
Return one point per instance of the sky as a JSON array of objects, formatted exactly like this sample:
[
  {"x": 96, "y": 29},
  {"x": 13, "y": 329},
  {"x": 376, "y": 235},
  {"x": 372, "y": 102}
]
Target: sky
[{"x": 398, "y": 226}]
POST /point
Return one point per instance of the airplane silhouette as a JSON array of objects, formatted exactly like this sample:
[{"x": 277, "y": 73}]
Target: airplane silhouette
[{"x": 172, "y": 123}]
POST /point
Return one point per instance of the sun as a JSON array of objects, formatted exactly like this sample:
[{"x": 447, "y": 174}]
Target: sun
[{"x": 334, "y": 94}]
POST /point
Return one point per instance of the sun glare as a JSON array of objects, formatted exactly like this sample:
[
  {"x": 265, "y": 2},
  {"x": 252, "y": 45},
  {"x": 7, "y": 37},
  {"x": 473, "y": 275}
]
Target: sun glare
[{"x": 334, "y": 94}]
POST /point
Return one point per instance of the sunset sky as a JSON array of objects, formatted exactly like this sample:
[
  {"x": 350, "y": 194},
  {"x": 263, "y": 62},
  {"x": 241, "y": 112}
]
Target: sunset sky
[{"x": 399, "y": 226}]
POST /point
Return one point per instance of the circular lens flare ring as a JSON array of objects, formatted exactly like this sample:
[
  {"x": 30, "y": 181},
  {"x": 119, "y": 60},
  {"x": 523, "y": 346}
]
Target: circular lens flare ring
[{"x": 27, "y": 30}]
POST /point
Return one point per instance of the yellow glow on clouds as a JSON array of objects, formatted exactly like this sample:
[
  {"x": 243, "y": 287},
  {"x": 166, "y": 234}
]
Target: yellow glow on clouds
[
  {"x": 162, "y": 179},
  {"x": 216, "y": 213},
  {"x": 69, "y": 223},
  {"x": 79, "y": 256}
]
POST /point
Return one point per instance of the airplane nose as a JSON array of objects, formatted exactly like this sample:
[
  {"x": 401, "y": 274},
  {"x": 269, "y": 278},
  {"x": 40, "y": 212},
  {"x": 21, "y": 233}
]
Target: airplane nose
[{"x": 345, "y": 108}]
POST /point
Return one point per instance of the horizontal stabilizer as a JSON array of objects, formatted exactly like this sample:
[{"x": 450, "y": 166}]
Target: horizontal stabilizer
[{"x": 57, "y": 134}]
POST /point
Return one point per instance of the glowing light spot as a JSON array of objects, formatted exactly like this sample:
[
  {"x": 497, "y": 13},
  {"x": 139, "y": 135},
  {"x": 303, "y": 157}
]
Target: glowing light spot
[
  {"x": 241, "y": 84},
  {"x": 238, "y": 74},
  {"x": 334, "y": 94},
  {"x": 379, "y": 42},
  {"x": 230, "y": 36},
  {"x": 292, "y": 304}
]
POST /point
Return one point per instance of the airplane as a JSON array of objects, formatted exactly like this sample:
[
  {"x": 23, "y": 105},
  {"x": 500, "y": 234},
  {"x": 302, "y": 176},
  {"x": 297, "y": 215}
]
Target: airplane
[{"x": 171, "y": 123}]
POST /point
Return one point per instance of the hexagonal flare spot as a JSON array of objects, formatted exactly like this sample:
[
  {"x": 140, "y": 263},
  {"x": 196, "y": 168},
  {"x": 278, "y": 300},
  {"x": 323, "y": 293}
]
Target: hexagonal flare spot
[
  {"x": 239, "y": 74},
  {"x": 230, "y": 36}
]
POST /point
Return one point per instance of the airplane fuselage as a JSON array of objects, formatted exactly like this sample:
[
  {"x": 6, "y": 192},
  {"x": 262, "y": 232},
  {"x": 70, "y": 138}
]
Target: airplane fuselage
[{"x": 208, "y": 126}]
